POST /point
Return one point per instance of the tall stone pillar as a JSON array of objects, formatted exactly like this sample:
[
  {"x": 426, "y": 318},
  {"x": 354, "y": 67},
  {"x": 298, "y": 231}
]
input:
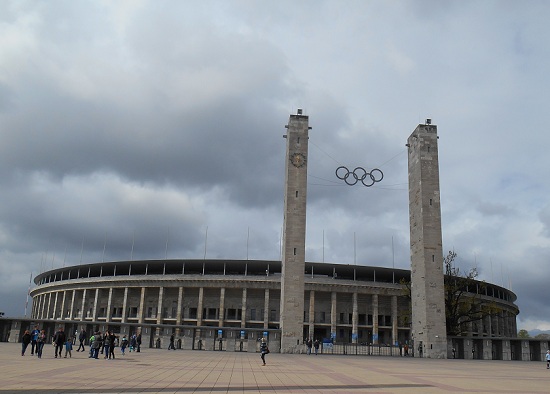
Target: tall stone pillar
[
  {"x": 62, "y": 310},
  {"x": 375, "y": 319},
  {"x": 243, "y": 313},
  {"x": 312, "y": 314},
  {"x": 125, "y": 305},
  {"x": 200, "y": 306},
  {"x": 427, "y": 287},
  {"x": 266, "y": 309},
  {"x": 54, "y": 315},
  {"x": 49, "y": 304},
  {"x": 394, "y": 332},
  {"x": 354, "y": 333},
  {"x": 159, "y": 305},
  {"x": 109, "y": 304},
  {"x": 159, "y": 311},
  {"x": 333, "y": 313},
  {"x": 222, "y": 307},
  {"x": 71, "y": 313},
  {"x": 94, "y": 311},
  {"x": 83, "y": 308},
  {"x": 179, "y": 311},
  {"x": 141, "y": 307},
  {"x": 294, "y": 234}
]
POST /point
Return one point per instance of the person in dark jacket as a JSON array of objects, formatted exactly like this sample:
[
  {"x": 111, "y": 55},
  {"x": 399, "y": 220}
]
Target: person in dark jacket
[
  {"x": 25, "y": 340},
  {"x": 96, "y": 345},
  {"x": 59, "y": 340},
  {"x": 82, "y": 338},
  {"x": 138, "y": 340},
  {"x": 263, "y": 350}
]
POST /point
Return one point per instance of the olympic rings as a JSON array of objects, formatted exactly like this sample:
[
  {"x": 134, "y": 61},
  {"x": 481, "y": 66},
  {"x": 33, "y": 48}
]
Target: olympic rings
[{"x": 359, "y": 174}]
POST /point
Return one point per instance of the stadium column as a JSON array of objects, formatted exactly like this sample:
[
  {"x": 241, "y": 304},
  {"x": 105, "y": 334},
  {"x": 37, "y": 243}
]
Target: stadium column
[
  {"x": 178, "y": 312},
  {"x": 124, "y": 304},
  {"x": 291, "y": 317},
  {"x": 83, "y": 307},
  {"x": 394, "y": 332},
  {"x": 109, "y": 303},
  {"x": 141, "y": 307},
  {"x": 54, "y": 314},
  {"x": 427, "y": 286},
  {"x": 222, "y": 307},
  {"x": 40, "y": 302},
  {"x": 311, "y": 314},
  {"x": 159, "y": 309},
  {"x": 71, "y": 313},
  {"x": 266, "y": 309},
  {"x": 354, "y": 333},
  {"x": 375, "y": 319},
  {"x": 49, "y": 305},
  {"x": 200, "y": 306},
  {"x": 94, "y": 312},
  {"x": 62, "y": 309},
  {"x": 333, "y": 314},
  {"x": 42, "y": 305},
  {"x": 243, "y": 313}
]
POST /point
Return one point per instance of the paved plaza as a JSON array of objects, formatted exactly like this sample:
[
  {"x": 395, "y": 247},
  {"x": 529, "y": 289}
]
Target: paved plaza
[{"x": 187, "y": 371}]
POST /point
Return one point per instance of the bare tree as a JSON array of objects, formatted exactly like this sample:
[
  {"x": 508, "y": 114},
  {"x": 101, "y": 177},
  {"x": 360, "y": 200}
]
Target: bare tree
[{"x": 463, "y": 303}]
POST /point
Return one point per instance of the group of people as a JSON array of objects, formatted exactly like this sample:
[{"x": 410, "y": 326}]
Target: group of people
[
  {"x": 37, "y": 338},
  {"x": 107, "y": 342},
  {"x": 99, "y": 343},
  {"x": 310, "y": 343}
]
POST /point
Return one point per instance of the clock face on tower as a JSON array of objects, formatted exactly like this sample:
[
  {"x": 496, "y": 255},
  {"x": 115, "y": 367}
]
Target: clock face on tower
[{"x": 298, "y": 159}]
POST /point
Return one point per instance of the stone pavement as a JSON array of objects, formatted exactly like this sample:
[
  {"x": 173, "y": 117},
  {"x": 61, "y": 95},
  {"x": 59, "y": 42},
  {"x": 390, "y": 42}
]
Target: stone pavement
[{"x": 188, "y": 371}]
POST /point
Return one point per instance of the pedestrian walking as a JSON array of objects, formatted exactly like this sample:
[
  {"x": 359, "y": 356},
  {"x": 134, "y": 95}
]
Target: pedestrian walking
[
  {"x": 316, "y": 346},
  {"x": 82, "y": 338},
  {"x": 548, "y": 359},
  {"x": 34, "y": 336},
  {"x": 59, "y": 340},
  {"x": 138, "y": 341},
  {"x": 171, "y": 345},
  {"x": 123, "y": 345},
  {"x": 264, "y": 349},
  {"x": 69, "y": 347},
  {"x": 107, "y": 345},
  {"x": 309, "y": 344},
  {"x": 25, "y": 340},
  {"x": 112, "y": 343},
  {"x": 133, "y": 342},
  {"x": 40, "y": 341}
]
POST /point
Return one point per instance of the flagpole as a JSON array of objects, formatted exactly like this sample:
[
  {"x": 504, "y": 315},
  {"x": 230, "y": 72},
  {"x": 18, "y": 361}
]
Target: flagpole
[
  {"x": 247, "y": 240},
  {"x": 28, "y": 292},
  {"x": 133, "y": 241},
  {"x": 205, "y": 242}
]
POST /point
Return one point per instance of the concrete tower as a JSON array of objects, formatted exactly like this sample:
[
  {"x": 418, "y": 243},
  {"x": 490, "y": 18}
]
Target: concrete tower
[
  {"x": 427, "y": 290},
  {"x": 294, "y": 234}
]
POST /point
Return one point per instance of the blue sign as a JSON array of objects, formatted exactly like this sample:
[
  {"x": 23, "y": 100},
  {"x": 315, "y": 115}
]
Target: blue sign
[
  {"x": 220, "y": 332},
  {"x": 333, "y": 335},
  {"x": 354, "y": 336},
  {"x": 265, "y": 333},
  {"x": 242, "y": 333}
]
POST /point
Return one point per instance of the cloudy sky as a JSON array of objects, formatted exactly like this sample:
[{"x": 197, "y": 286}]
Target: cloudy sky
[{"x": 153, "y": 129}]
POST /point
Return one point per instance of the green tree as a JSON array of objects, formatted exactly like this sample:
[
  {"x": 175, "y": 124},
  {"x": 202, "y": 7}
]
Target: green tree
[{"x": 523, "y": 334}]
